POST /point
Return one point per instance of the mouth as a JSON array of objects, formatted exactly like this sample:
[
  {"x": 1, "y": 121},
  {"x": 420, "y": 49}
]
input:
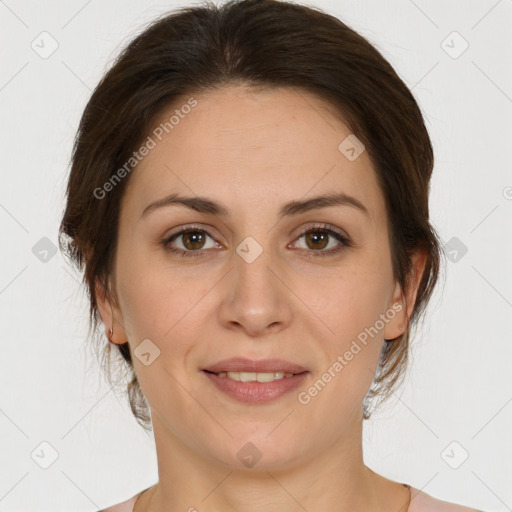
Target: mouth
[
  {"x": 252, "y": 381},
  {"x": 250, "y": 366},
  {"x": 255, "y": 377}
]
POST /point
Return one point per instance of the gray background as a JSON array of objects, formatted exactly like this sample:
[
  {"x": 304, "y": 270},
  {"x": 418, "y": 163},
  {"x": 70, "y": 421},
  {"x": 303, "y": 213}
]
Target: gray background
[{"x": 456, "y": 399}]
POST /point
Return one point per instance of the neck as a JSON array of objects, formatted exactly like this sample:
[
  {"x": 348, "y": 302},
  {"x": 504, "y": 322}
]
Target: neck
[{"x": 335, "y": 479}]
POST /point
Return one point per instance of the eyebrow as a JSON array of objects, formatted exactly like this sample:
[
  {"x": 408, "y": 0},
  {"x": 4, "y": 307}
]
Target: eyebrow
[{"x": 210, "y": 207}]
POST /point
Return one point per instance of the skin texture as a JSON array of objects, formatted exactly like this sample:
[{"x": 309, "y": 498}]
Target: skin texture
[{"x": 254, "y": 150}]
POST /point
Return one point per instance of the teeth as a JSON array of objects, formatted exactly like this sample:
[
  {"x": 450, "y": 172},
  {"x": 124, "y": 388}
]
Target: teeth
[{"x": 251, "y": 377}]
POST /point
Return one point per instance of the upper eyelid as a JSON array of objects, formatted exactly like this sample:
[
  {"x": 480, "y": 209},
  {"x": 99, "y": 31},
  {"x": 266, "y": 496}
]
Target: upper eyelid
[
  {"x": 185, "y": 229},
  {"x": 319, "y": 225}
]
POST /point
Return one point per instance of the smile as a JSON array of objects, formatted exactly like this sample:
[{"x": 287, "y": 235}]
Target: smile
[
  {"x": 253, "y": 377},
  {"x": 255, "y": 388}
]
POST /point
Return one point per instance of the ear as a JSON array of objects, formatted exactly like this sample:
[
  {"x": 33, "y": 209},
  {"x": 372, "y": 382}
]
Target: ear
[
  {"x": 398, "y": 324},
  {"x": 110, "y": 314}
]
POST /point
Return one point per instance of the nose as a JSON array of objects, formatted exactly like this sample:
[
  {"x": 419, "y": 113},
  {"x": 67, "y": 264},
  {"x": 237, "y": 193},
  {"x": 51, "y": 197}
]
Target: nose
[{"x": 255, "y": 297}]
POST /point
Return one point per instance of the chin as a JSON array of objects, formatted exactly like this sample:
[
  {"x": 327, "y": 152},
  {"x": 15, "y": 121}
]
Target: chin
[{"x": 259, "y": 452}]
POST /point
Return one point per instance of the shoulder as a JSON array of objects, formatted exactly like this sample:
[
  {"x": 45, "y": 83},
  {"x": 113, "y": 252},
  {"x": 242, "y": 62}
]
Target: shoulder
[
  {"x": 423, "y": 502},
  {"x": 125, "y": 506}
]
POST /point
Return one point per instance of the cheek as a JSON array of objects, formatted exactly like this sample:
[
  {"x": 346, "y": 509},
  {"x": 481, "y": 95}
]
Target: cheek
[
  {"x": 351, "y": 308},
  {"x": 146, "y": 297},
  {"x": 159, "y": 301},
  {"x": 353, "y": 344}
]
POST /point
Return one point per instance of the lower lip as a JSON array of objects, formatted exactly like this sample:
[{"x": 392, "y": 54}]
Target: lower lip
[{"x": 256, "y": 392}]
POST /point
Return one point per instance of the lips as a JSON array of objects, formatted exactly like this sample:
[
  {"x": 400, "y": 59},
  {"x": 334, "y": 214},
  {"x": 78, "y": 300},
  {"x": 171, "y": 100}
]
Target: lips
[{"x": 242, "y": 364}]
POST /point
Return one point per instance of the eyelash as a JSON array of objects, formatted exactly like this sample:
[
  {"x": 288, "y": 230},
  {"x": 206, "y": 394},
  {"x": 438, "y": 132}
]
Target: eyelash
[{"x": 320, "y": 228}]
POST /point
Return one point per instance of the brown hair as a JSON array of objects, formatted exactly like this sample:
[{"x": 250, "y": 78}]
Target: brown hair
[{"x": 266, "y": 43}]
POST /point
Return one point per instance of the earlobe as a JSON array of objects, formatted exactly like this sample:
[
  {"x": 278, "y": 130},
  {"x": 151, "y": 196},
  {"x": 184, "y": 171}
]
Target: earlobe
[{"x": 110, "y": 315}]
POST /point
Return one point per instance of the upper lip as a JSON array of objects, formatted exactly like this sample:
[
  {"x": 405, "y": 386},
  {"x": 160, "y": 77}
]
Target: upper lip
[{"x": 242, "y": 364}]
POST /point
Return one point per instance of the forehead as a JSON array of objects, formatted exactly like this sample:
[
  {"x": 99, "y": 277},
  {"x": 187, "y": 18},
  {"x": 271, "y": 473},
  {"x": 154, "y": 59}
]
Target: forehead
[{"x": 252, "y": 145}]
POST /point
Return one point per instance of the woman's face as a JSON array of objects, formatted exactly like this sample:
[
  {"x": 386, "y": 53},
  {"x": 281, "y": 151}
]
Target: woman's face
[{"x": 251, "y": 284}]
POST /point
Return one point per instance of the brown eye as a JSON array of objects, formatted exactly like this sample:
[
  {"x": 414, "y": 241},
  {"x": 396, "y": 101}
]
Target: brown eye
[
  {"x": 317, "y": 240},
  {"x": 192, "y": 243},
  {"x": 193, "y": 240}
]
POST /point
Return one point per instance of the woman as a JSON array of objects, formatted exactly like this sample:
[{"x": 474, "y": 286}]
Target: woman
[{"x": 248, "y": 199}]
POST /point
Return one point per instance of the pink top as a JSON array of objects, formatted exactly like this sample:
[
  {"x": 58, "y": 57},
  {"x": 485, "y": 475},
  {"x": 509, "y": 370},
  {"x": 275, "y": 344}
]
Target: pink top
[{"x": 420, "y": 502}]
